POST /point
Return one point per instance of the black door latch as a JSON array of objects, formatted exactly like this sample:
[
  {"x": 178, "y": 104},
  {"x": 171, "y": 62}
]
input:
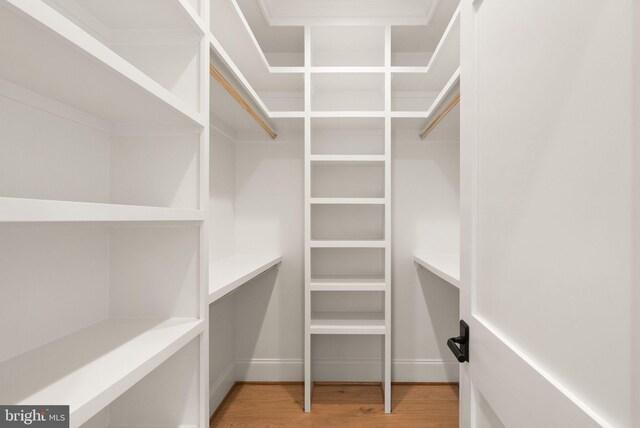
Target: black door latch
[{"x": 461, "y": 352}]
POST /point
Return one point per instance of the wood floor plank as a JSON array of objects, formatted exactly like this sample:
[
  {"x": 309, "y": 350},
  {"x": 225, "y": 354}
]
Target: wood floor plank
[{"x": 339, "y": 405}]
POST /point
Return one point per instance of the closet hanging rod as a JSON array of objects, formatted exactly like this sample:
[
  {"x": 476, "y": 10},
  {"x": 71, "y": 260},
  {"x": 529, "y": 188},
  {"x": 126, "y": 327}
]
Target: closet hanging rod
[
  {"x": 454, "y": 101},
  {"x": 215, "y": 73}
]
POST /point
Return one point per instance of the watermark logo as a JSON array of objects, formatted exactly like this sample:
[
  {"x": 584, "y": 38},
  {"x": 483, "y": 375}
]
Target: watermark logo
[{"x": 34, "y": 416}]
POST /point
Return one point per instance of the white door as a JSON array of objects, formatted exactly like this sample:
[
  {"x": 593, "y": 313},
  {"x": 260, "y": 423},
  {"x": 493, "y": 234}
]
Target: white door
[{"x": 549, "y": 236}]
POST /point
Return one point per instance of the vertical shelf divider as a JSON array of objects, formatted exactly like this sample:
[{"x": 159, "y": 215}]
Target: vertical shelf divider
[
  {"x": 387, "y": 219},
  {"x": 308, "y": 385}
]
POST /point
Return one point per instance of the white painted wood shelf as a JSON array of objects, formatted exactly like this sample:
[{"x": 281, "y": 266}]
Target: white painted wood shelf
[
  {"x": 332, "y": 243},
  {"x": 347, "y": 323},
  {"x": 446, "y": 267},
  {"x": 348, "y": 284},
  {"x": 86, "y": 74},
  {"x": 19, "y": 210},
  {"x": 445, "y": 59},
  {"x": 227, "y": 274},
  {"x": 347, "y": 159},
  {"x": 445, "y": 94},
  {"x": 347, "y": 201},
  {"x": 90, "y": 368},
  {"x": 347, "y": 114}
]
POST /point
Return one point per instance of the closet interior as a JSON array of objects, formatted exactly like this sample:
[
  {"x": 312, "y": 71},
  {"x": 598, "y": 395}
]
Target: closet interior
[
  {"x": 198, "y": 193},
  {"x": 354, "y": 202}
]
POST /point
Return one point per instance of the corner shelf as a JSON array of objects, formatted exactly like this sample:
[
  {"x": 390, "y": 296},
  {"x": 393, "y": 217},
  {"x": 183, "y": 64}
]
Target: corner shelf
[
  {"x": 18, "y": 210},
  {"x": 446, "y": 267},
  {"x": 347, "y": 323},
  {"x": 90, "y": 368},
  {"x": 124, "y": 93},
  {"x": 245, "y": 58},
  {"x": 228, "y": 274}
]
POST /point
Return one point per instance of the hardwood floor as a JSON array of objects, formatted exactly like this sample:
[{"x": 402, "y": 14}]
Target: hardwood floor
[{"x": 338, "y": 405}]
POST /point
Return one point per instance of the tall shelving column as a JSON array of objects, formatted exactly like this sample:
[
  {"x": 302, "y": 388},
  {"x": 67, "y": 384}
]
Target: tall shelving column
[
  {"x": 308, "y": 386},
  {"x": 387, "y": 220},
  {"x": 371, "y": 87}
]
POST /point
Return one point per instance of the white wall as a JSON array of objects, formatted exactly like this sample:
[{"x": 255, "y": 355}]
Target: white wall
[
  {"x": 270, "y": 219},
  {"x": 425, "y": 210},
  {"x": 222, "y": 244}
]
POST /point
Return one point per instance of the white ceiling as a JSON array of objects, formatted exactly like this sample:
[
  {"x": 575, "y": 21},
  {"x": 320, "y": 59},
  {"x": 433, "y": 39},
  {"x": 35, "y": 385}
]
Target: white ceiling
[{"x": 301, "y": 12}]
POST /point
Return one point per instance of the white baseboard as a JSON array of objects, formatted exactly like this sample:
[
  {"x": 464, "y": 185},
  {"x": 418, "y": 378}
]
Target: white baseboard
[
  {"x": 221, "y": 387},
  {"x": 270, "y": 370},
  {"x": 351, "y": 370}
]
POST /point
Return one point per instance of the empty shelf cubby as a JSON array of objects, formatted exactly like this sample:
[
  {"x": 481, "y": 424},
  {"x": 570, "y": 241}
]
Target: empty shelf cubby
[
  {"x": 347, "y": 91},
  {"x": 347, "y": 221},
  {"x": 347, "y": 181},
  {"x": 50, "y": 153},
  {"x": 338, "y": 263},
  {"x": 347, "y": 45},
  {"x": 347, "y": 136}
]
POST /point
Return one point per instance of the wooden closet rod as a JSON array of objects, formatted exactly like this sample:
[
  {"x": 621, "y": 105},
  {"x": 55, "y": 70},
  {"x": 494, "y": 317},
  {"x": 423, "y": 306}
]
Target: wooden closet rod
[
  {"x": 215, "y": 73},
  {"x": 455, "y": 100}
]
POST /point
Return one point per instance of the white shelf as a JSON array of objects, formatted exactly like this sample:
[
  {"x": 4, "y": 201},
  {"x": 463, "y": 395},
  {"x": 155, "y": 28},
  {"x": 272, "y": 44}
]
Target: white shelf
[
  {"x": 444, "y": 60},
  {"x": 328, "y": 243},
  {"x": 243, "y": 55},
  {"x": 348, "y": 284},
  {"x": 449, "y": 88},
  {"x": 246, "y": 46},
  {"x": 347, "y": 323},
  {"x": 286, "y": 114},
  {"x": 65, "y": 63},
  {"x": 348, "y": 113},
  {"x": 281, "y": 48},
  {"x": 409, "y": 114},
  {"x": 347, "y": 201},
  {"x": 228, "y": 274},
  {"x": 348, "y": 159},
  {"x": 90, "y": 368},
  {"x": 342, "y": 69},
  {"x": 446, "y": 267},
  {"x": 18, "y": 210},
  {"x": 448, "y": 49},
  {"x": 107, "y": 19}
]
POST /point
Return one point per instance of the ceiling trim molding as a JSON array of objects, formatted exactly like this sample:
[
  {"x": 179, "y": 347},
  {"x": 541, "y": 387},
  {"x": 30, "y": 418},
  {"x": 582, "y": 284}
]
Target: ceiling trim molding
[
  {"x": 412, "y": 19},
  {"x": 266, "y": 12},
  {"x": 432, "y": 11}
]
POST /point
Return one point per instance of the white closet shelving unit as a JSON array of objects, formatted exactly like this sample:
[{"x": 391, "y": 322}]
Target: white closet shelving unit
[
  {"x": 348, "y": 187},
  {"x": 103, "y": 184}
]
